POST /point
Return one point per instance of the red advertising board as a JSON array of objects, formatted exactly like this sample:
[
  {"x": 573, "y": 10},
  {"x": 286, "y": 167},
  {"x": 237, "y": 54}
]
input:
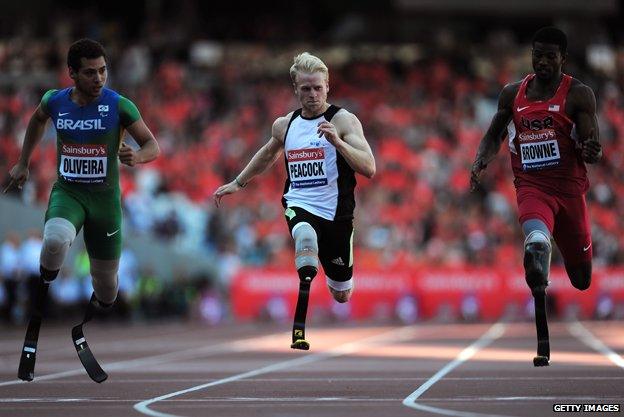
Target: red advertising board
[{"x": 482, "y": 293}]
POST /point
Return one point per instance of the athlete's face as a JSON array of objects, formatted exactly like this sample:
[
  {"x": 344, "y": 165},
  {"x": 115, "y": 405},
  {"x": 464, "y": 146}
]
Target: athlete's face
[
  {"x": 547, "y": 60},
  {"x": 311, "y": 89},
  {"x": 91, "y": 76}
]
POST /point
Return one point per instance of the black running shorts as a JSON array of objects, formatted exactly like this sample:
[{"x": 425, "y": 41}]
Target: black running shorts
[{"x": 335, "y": 241}]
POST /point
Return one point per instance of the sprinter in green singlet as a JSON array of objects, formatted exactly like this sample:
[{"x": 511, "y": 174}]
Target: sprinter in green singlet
[{"x": 90, "y": 121}]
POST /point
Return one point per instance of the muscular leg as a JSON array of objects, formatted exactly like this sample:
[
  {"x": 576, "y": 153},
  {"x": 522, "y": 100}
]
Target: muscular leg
[
  {"x": 337, "y": 259},
  {"x": 573, "y": 237},
  {"x": 58, "y": 235},
  {"x": 105, "y": 280}
]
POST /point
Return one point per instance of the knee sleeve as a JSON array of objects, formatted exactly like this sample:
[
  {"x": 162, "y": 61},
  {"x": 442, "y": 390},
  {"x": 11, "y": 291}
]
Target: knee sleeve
[
  {"x": 339, "y": 285},
  {"x": 340, "y": 290},
  {"x": 105, "y": 281},
  {"x": 537, "y": 251},
  {"x": 58, "y": 235},
  {"x": 306, "y": 251},
  {"x": 533, "y": 225}
]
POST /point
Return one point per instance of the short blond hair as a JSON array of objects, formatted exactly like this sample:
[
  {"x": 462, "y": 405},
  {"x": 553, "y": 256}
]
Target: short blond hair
[{"x": 308, "y": 63}]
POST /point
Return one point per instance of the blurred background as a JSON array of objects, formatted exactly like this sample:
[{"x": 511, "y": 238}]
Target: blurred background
[{"x": 209, "y": 79}]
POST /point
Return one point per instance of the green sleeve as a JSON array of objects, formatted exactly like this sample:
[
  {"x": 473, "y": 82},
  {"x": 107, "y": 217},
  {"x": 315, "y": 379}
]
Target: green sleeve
[
  {"x": 128, "y": 112},
  {"x": 44, "y": 101}
]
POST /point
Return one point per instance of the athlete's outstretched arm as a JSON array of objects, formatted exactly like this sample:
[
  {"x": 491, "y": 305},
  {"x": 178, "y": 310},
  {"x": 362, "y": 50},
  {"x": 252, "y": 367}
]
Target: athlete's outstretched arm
[
  {"x": 34, "y": 132},
  {"x": 263, "y": 159},
  {"x": 583, "y": 113},
  {"x": 149, "y": 149},
  {"x": 491, "y": 142},
  {"x": 346, "y": 134}
]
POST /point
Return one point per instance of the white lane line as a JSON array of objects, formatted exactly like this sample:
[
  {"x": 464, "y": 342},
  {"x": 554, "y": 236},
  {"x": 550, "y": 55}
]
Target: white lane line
[
  {"x": 202, "y": 400},
  {"x": 44, "y": 377},
  {"x": 239, "y": 346},
  {"x": 401, "y": 333},
  {"x": 346, "y": 379},
  {"x": 581, "y": 333},
  {"x": 488, "y": 337},
  {"x": 49, "y": 400},
  {"x": 308, "y": 399}
]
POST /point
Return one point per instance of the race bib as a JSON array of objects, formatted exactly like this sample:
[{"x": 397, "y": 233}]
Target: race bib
[
  {"x": 306, "y": 167},
  {"x": 83, "y": 163},
  {"x": 539, "y": 155}
]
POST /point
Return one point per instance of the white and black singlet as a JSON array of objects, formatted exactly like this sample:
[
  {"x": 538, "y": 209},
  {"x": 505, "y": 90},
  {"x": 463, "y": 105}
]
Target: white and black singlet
[{"x": 319, "y": 180}]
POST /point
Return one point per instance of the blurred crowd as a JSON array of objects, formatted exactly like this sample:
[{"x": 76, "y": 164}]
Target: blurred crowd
[
  {"x": 142, "y": 295},
  {"x": 424, "y": 108}
]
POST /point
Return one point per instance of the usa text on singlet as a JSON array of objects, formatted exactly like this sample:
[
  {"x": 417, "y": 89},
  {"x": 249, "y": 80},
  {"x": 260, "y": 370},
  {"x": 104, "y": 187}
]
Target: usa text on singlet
[{"x": 545, "y": 151}]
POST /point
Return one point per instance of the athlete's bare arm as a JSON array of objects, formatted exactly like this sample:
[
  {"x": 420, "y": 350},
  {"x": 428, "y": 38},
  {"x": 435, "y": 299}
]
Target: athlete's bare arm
[
  {"x": 346, "y": 134},
  {"x": 34, "y": 132},
  {"x": 143, "y": 136},
  {"x": 260, "y": 162},
  {"x": 581, "y": 106},
  {"x": 491, "y": 142}
]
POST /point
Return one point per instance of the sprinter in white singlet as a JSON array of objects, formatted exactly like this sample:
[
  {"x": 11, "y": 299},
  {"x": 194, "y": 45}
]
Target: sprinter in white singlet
[{"x": 324, "y": 146}]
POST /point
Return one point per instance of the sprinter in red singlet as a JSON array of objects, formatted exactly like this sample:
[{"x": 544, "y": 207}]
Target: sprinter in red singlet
[{"x": 552, "y": 131}]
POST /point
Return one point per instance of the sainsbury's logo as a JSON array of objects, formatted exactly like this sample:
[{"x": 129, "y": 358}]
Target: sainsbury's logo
[
  {"x": 83, "y": 150},
  {"x": 306, "y": 154},
  {"x": 537, "y": 135}
]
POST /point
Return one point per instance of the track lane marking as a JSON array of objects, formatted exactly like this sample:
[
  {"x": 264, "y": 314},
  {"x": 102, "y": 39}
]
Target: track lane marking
[
  {"x": 402, "y": 333},
  {"x": 288, "y": 379},
  {"x": 239, "y": 346},
  {"x": 306, "y": 399},
  {"x": 488, "y": 337},
  {"x": 581, "y": 333}
]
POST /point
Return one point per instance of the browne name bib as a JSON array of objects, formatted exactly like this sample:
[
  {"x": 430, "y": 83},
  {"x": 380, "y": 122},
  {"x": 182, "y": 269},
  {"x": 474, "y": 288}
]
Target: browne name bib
[{"x": 539, "y": 149}]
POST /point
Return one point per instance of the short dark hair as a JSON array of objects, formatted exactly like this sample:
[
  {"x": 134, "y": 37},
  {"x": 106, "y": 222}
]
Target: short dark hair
[
  {"x": 84, "y": 48},
  {"x": 552, "y": 35}
]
